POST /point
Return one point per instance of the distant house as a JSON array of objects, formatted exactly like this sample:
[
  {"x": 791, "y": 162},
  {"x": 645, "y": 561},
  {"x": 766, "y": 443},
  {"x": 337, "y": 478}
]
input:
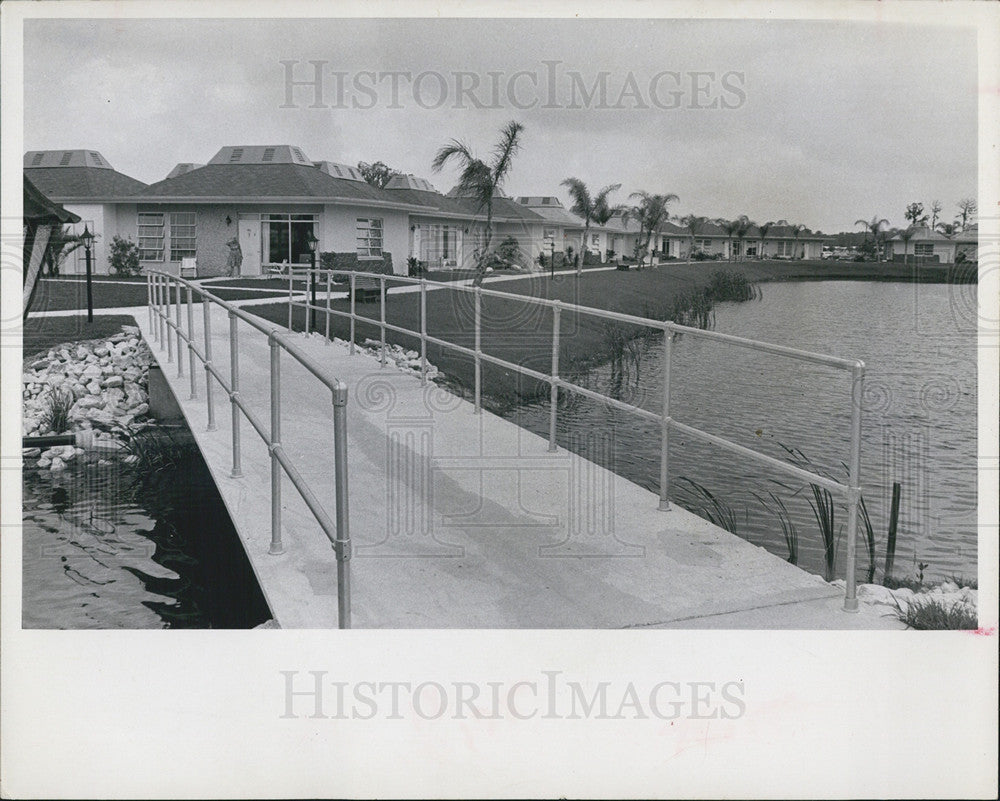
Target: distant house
[
  {"x": 967, "y": 244},
  {"x": 88, "y": 186},
  {"x": 925, "y": 245}
]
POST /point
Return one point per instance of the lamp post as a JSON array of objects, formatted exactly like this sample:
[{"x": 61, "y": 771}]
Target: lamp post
[
  {"x": 88, "y": 240},
  {"x": 552, "y": 260},
  {"x": 312, "y": 241}
]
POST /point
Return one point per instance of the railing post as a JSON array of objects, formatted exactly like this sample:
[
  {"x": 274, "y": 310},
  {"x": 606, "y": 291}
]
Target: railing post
[
  {"x": 191, "y": 357},
  {"x": 854, "y": 490},
  {"x": 381, "y": 292},
  {"x": 289, "y": 298},
  {"x": 155, "y": 320},
  {"x": 206, "y": 307},
  {"x": 234, "y": 382},
  {"x": 554, "y": 393},
  {"x": 177, "y": 331},
  {"x": 342, "y": 546},
  {"x": 477, "y": 397},
  {"x": 166, "y": 314},
  {"x": 159, "y": 309},
  {"x": 149, "y": 300},
  {"x": 275, "y": 443},
  {"x": 326, "y": 341},
  {"x": 423, "y": 330},
  {"x": 668, "y": 347},
  {"x": 352, "y": 313}
]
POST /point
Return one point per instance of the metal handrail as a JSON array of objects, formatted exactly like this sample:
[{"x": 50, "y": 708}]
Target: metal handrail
[
  {"x": 160, "y": 290},
  {"x": 851, "y": 491}
]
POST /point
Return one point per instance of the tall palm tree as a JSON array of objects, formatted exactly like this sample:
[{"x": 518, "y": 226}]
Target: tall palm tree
[
  {"x": 764, "y": 228},
  {"x": 651, "y": 211},
  {"x": 693, "y": 223},
  {"x": 906, "y": 235},
  {"x": 482, "y": 181},
  {"x": 876, "y": 227},
  {"x": 744, "y": 224},
  {"x": 729, "y": 226},
  {"x": 797, "y": 230},
  {"x": 585, "y": 206}
]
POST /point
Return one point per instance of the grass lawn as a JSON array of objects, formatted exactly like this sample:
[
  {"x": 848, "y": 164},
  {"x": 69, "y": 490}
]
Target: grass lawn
[
  {"x": 521, "y": 333},
  {"x": 72, "y": 294},
  {"x": 43, "y": 333}
]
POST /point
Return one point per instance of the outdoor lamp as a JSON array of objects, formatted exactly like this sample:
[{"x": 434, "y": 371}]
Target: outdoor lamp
[
  {"x": 88, "y": 239},
  {"x": 312, "y": 241}
]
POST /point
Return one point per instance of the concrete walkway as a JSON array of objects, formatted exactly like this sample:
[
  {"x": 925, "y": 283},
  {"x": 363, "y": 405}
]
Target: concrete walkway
[{"x": 462, "y": 520}]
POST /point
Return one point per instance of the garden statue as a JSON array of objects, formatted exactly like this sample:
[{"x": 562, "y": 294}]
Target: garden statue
[{"x": 235, "y": 257}]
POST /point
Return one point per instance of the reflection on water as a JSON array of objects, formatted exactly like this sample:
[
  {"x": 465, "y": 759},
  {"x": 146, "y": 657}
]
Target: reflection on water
[
  {"x": 113, "y": 545},
  {"x": 919, "y": 344}
]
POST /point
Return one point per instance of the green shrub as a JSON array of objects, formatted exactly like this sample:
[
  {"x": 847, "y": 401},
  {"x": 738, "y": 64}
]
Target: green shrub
[
  {"x": 509, "y": 251},
  {"x": 124, "y": 257},
  {"x": 55, "y": 415}
]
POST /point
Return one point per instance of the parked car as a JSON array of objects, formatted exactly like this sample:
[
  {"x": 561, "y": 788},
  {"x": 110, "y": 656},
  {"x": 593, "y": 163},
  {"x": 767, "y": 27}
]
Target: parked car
[{"x": 827, "y": 252}]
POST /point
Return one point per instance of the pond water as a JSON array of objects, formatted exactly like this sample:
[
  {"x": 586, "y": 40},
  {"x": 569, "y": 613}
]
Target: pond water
[
  {"x": 919, "y": 426},
  {"x": 115, "y": 545}
]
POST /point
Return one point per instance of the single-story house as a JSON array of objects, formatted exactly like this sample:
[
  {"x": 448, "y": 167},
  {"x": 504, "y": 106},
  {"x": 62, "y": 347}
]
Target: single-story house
[
  {"x": 967, "y": 244},
  {"x": 924, "y": 245},
  {"x": 89, "y": 187}
]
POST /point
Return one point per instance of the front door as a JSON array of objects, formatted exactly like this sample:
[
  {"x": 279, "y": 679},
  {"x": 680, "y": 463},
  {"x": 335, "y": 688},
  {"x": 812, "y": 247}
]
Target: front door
[{"x": 249, "y": 231}]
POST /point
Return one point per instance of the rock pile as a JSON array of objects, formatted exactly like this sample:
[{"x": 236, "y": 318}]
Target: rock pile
[
  {"x": 948, "y": 593},
  {"x": 104, "y": 382},
  {"x": 396, "y": 356}
]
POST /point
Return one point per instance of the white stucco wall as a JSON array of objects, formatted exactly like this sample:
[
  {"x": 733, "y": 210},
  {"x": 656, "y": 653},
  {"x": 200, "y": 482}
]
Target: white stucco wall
[{"x": 338, "y": 231}]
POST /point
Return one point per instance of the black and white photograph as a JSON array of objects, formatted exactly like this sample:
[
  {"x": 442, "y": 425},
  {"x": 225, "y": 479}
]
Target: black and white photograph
[{"x": 504, "y": 402}]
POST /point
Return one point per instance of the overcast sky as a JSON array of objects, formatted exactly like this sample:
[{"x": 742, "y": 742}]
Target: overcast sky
[{"x": 818, "y": 123}]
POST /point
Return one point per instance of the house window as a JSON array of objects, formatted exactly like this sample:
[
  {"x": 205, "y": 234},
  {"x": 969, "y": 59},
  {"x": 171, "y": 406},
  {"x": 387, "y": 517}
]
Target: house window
[
  {"x": 66, "y": 157},
  {"x": 182, "y": 235},
  {"x": 37, "y": 159},
  {"x": 150, "y": 236},
  {"x": 595, "y": 239},
  {"x": 370, "y": 237},
  {"x": 236, "y": 155},
  {"x": 285, "y": 238},
  {"x": 703, "y": 244},
  {"x": 549, "y": 233},
  {"x": 924, "y": 249},
  {"x": 268, "y": 154}
]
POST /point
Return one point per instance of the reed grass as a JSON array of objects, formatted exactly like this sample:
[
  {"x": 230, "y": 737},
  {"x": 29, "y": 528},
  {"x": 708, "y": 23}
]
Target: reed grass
[
  {"x": 55, "y": 413},
  {"x": 788, "y": 528},
  {"x": 933, "y": 614},
  {"x": 712, "y": 508}
]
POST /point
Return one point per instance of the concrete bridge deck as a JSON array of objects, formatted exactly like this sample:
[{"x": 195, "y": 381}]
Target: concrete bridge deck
[{"x": 464, "y": 520}]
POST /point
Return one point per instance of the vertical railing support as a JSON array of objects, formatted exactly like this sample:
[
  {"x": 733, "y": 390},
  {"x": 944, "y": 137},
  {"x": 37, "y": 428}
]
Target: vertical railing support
[
  {"x": 206, "y": 308},
  {"x": 177, "y": 331},
  {"x": 352, "y": 313},
  {"x": 326, "y": 341},
  {"x": 159, "y": 308},
  {"x": 191, "y": 356},
  {"x": 166, "y": 314},
  {"x": 234, "y": 383},
  {"x": 554, "y": 392},
  {"x": 275, "y": 443},
  {"x": 423, "y": 330},
  {"x": 854, "y": 488},
  {"x": 381, "y": 292},
  {"x": 478, "y": 391},
  {"x": 668, "y": 345},
  {"x": 290, "y": 299},
  {"x": 149, "y": 301},
  {"x": 342, "y": 546}
]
